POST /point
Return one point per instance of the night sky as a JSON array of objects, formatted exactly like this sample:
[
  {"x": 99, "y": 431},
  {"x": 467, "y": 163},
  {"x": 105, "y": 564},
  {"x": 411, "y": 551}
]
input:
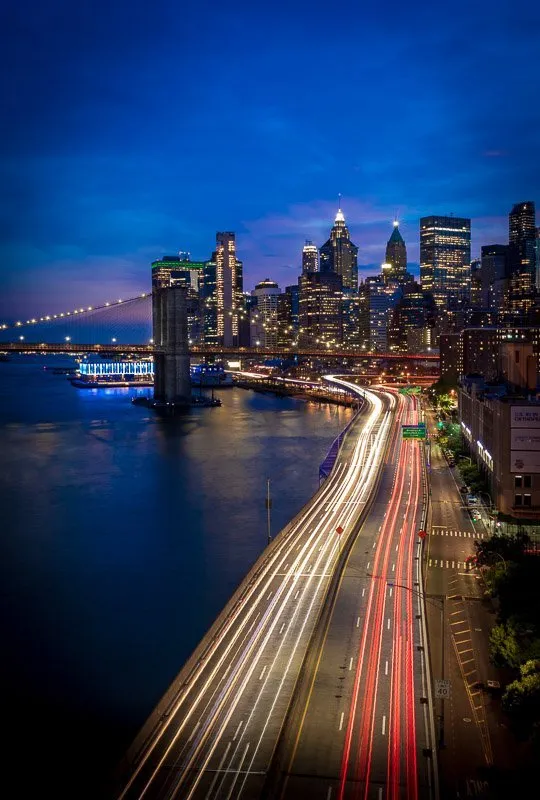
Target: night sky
[{"x": 131, "y": 130}]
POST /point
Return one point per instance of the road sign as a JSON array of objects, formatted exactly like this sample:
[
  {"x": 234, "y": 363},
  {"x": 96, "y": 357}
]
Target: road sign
[
  {"x": 339, "y": 530},
  {"x": 413, "y": 431},
  {"x": 443, "y": 689}
]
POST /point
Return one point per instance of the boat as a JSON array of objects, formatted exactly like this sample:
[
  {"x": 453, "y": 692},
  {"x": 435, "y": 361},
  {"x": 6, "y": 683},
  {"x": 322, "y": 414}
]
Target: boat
[{"x": 212, "y": 375}]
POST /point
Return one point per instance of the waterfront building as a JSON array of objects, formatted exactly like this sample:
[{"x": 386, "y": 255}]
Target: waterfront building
[
  {"x": 445, "y": 259},
  {"x": 229, "y": 288},
  {"x": 338, "y": 254},
  {"x": 264, "y": 318},
  {"x": 209, "y": 303},
  {"x": 287, "y": 316},
  {"x": 310, "y": 257},
  {"x": 396, "y": 259},
  {"x": 522, "y": 258},
  {"x": 320, "y": 311},
  {"x": 178, "y": 269}
]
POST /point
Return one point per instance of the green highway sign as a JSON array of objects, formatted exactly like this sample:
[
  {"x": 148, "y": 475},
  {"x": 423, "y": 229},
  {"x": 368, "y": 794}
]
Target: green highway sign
[
  {"x": 413, "y": 431},
  {"x": 411, "y": 390}
]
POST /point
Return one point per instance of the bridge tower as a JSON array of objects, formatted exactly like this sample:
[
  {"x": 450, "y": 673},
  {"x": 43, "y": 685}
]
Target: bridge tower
[{"x": 172, "y": 382}]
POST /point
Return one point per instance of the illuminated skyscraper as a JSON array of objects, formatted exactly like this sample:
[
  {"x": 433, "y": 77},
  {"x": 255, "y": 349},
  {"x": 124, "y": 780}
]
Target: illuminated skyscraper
[
  {"x": 310, "y": 257},
  {"x": 445, "y": 260},
  {"x": 229, "y": 288},
  {"x": 522, "y": 257},
  {"x": 396, "y": 255},
  {"x": 320, "y": 309},
  {"x": 264, "y": 314},
  {"x": 340, "y": 255}
]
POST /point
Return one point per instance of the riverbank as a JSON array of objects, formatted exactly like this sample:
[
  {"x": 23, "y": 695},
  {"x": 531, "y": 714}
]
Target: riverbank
[{"x": 279, "y": 388}]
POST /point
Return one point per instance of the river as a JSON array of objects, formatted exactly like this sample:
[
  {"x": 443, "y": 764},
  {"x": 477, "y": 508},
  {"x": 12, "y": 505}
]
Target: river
[{"x": 123, "y": 535}]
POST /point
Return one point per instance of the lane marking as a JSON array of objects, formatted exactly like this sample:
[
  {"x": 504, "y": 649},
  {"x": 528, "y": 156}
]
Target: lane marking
[
  {"x": 238, "y": 728},
  {"x": 363, "y": 593},
  {"x": 341, "y": 720},
  {"x": 281, "y": 629},
  {"x": 388, "y": 626},
  {"x": 297, "y": 593},
  {"x": 358, "y": 622},
  {"x": 386, "y": 668},
  {"x": 350, "y": 664},
  {"x": 383, "y": 725},
  {"x": 264, "y": 670}
]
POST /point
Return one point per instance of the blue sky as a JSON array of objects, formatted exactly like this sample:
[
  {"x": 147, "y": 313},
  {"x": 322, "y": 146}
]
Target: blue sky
[{"x": 134, "y": 130}]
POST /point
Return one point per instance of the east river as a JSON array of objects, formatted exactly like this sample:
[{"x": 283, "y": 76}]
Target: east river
[{"x": 123, "y": 535}]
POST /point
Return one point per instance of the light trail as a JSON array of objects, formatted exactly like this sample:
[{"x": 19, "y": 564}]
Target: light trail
[{"x": 225, "y": 691}]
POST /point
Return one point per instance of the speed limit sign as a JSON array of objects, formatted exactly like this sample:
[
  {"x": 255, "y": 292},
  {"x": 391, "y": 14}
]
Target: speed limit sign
[{"x": 443, "y": 689}]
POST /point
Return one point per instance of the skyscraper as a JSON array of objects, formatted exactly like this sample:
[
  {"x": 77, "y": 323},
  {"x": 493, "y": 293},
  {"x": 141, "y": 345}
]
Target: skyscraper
[
  {"x": 445, "y": 260},
  {"x": 493, "y": 276},
  {"x": 310, "y": 257},
  {"x": 320, "y": 309},
  {"x": 264, "y": 319},
  {"x": 338, "y": 254},
  {"x": 228, "y": 288},
  {"x": 522, "y": 257},
  {"x": 396, "y": 255}
]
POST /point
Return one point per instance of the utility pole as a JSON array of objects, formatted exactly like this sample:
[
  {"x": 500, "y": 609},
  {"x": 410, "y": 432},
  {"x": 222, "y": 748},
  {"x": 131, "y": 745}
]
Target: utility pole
[{"x": 268, "y": 507}]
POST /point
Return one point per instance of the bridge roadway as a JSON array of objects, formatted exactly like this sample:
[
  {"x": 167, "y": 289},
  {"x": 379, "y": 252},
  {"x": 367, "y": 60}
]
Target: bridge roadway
[
  {"x": 215, "y": 731},
  {"x": 360, "y": 725},
  {"x": 24, "y": 346}
]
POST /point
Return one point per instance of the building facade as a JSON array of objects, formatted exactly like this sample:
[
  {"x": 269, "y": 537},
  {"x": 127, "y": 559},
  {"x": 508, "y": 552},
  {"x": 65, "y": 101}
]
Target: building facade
[
  {"x": 338, "y": 254},
  {"x": 501, "y": 426},
  {"x": 320, "y": 309},
  {"x": 310, "y": 257},
  {"x": 396, "y": 258},
  {"x": 264, "y": 316},
  {"x": 522, "y": 257},
  {"x": 229, "y": 288},
  {"x": 445, "y": 260}
]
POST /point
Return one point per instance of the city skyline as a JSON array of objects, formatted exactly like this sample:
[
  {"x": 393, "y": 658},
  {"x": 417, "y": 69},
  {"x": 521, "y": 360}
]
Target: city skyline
[{"x": 113, "y": 155}]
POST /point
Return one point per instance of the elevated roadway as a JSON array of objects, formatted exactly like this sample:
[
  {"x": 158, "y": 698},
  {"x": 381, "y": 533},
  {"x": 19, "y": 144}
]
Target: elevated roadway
[
  {"x": 215, "y": 732},
  {"x": 361, "y": 725}
]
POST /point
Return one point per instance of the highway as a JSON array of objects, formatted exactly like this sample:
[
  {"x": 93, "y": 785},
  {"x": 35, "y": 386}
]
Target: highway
[
  {"x": 214, "y": 734},
  {"x": 360, "y": 725}
]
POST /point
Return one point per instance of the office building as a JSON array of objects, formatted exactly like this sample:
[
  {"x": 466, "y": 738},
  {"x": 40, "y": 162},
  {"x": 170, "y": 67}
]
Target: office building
[
  {"x": 320, "y": 311},
  {"x": 338, "y": 254},
  {"x": 522, "y": 258},
  {"x": 396, "y": 258},
  {"x": 310, "y": 257},
  {"x": 229, "y": 288},
  {"x": 445, "y": 259},
  {"x": 376, "y": 303},
  {"x": 412, "y": 321},
  {"x": 494, "y": 277},
  {"x": 287, "y": 316},
  {"x": 264, "y": 317},
  {"x": 178, "y": 270}
]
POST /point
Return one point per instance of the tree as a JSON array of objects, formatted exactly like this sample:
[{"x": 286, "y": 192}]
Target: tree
[
  {"x": 521, "y": 701},
  {"x": 505, "y": 650}
]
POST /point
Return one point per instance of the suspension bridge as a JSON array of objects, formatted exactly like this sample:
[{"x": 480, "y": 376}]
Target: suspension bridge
[{"x": 124, "y": 327}]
